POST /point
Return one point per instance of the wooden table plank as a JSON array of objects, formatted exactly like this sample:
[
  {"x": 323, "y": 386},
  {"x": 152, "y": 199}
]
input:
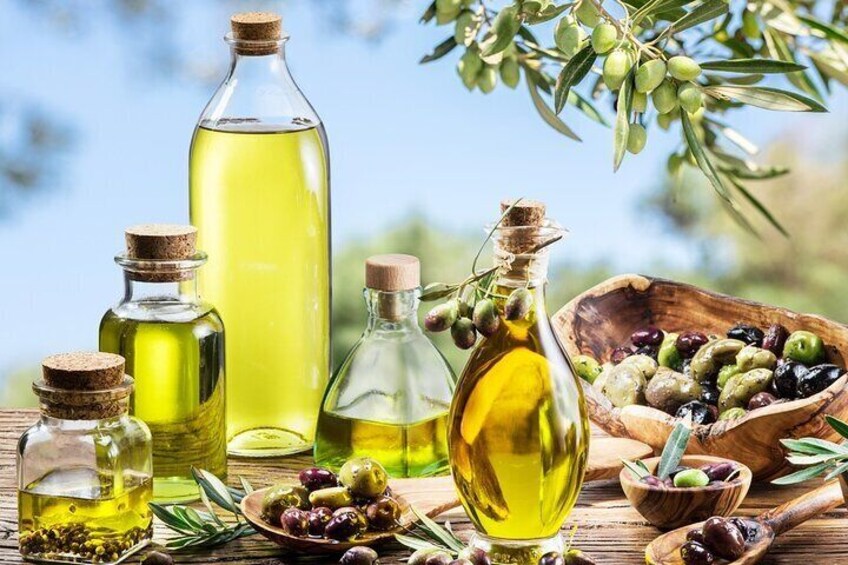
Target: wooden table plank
[{"x": 608, "y": 528}]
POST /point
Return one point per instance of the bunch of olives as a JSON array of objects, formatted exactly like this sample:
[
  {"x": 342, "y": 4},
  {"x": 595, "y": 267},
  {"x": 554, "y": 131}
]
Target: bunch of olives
[
  {"x": 339, "y": 508},
  {"x": 710, "y": 378},
  {"x": 719, "y": 538},
  {"x": 476, "y": 556},
  {"x": 689, "y": 477}
]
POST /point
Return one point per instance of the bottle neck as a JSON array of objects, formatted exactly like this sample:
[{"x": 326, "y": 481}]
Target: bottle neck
[
  {"x": 257, "y": 67},
  {"x": 521, "y": 270},
  {"x": 392, "y": 310},
  {"x": 184, "y": 292}
]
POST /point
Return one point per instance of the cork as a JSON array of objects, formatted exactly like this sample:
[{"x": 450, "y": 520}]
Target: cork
[
  {"x": 167, "y": 242},
  {"x": 525, "y": 213},
  {"x": 257, "y": 27},
  {"x": 392, "y": 272},
  {"x": 83, "y": 370}
]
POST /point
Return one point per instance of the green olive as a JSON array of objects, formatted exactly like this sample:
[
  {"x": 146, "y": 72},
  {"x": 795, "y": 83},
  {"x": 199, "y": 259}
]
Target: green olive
[
  {"x": 665, "y": 97},
  {"x": 690, "y": 97},
  {"x": 569, "y": 36},
  {"x": 683, "y": 68},
  {"x": 665, "y": 120},
  {"x": 804, "y": 347},
  {"x": 669, "y": 390},
  {"x": 468, "y": 68},
  {"x": 646, "y": 365},
  {"x": 668, "y": 355},
  {"x": 636, "y": 138},
  {"x": 725, "y": 373},
  {"x": 333, "y": 497},
  {"x": 640, "y": 102},
  {"x": 709, "y": 359},
  {"x": 732, "y": 414},
  {"x": 616, "y": 67},
  {"x": 739, "y": 389},
  {"x": 487, "y": 80},
  {"x": 447, "y": 10},
  {"x": 588, "y": 13},
  {"x": 691, "y": 478},
  {"x": 510, "y": 72},
  {"x": 625, "y": 385},
  {"x": 586, "y": 368},
  {"x": 364, "y": 476},
  {"x": 650, "y": 76},
  {"x": 601, "y": 379},
  {"x": 281, "y": 497},
  {"x": 465, "y": 25},
  {"x": 752, "y": 357},
  {"x": 604, "y": 37},
  {"x": 750, "y": 25}
]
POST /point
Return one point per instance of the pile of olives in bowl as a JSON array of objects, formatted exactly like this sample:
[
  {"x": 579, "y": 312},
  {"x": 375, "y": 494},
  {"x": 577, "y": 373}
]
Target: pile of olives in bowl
[
  {"x": 339, "y": 508},
  {"x": 718, "y": 539},
  {"x": 711, "y": 474},
  {"x": 708, "y": 377}
]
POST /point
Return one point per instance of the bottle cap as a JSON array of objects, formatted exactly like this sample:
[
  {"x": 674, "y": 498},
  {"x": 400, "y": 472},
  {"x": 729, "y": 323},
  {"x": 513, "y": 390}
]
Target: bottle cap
[
  {"x": 166, "y": 242},
  {"x": 392, "y": 272},
  {"x": 521, "y": 227},
  {"x": 264, "y": 28},
  {"x": 83, "y": 370}
]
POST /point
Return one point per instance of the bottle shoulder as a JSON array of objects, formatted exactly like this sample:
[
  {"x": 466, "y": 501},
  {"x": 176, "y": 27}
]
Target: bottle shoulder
[{"x": 199, "y": 313}]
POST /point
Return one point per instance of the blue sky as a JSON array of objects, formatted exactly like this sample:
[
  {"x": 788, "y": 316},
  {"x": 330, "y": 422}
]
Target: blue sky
[{"x": 403, "y": 138}]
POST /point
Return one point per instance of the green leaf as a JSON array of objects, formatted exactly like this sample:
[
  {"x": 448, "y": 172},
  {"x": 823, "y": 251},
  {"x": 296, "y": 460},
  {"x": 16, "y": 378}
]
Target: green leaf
[
  {"x": 701, "y": 157},
  {"x": 703, "y": 12},
  {"x": 755, "y": 202},
  {"x": 428, "y": 14},
  {"x": 802, "y": 475},
  {"x": 572, "y": 73},
  {"x": 829, "y": 31},
  {"x": 439, "y": 51},
  {"x": 437, "y": 291},
  {"x": 547, "y": 114},
  {"x": 206, "y": 502},
  {"x": 548, "y": 14},
  {"x": 638, "y": 472},
  {"x": 812, "y": 445},
  {"x": 837, "y": 471},
  {"x": 245, "y": 484},
  {"x": 750, "y": 66},
  {"x": 585, "y": 105},
  {"x": 765, "y": 97},
  {"x": 735, "y": 137},
  {"x": 444, "y": 536},
  {"x": 759, "y": 174},
  {"x": 415, "y": 543},
  {"x": 622, "y": 120},
  {"x": 778, "y": 47},
  {"x": 215, "y": 489},
  {"x": 505, "y": 26},
  {"x": 838, "y": 425},
  {"x": 806, "y": 460},
  {"x": 171, "y": 519},
  {"x": 673, "y": 451}
]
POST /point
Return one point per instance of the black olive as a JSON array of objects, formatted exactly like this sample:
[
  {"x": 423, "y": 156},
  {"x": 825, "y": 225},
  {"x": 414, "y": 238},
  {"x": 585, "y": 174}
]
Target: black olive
[
  {"x": 775, "y": 338},
  {"x": 619, "y": 354},
  {"x": 383, "y": 513},
  {"x": 761, "y": 399},
  {"x": 693, "y": 553},
  {"x": 719, "y": 471},
  {"x": 695, "y": 535},
  {"x": 723, "y": 538},
  {"x": 649, "y": 335},
  {"x": 158, "y": 558},
  {"x": 316, "y": 478},
  {"x": 359, "y": 555},
  {"x": 710, "y": 395},
  {"x": 818, "y": 378},
  {"x": 552, "y": 558},
  {"x": 650, "y": 350},
  {"x": 688, "y": 343},
  {"x": 751, "y": 335},
  {"x": 651, "y": 480},
  {"x": 295, "y": 522},
  {"x": 699, "y": 411},
  {"x": 749, "y": 528},
  {"x": 476, "y": 555},
  {"x": 786, "y": 377},
  {"x": 318, "y": 520}
]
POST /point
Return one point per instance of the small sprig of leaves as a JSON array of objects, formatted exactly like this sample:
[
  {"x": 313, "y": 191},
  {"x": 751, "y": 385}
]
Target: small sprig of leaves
[
  {"x": 198, "y": 528},
  {"x": 675, "y": 448},
  {"x": 818, "y": 456}
]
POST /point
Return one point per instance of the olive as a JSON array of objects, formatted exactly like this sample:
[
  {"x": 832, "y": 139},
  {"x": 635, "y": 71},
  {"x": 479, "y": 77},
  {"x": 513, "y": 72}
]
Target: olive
[
  {"x": 441, "y": 317},
  {"x": 354, "y": 513},
  {"x": 761, "y": 399},
  {"x": 343, "y": 527},
  {"x": 818, "y": 378},
  {"x": 683, "y": 68},
  {"x": 587, "y": 368},
  {"x": 604, "y": 38},
  {"x": 697, "y": 410},
  {"x": 652, "y": 481},
  {"x": 619, "y": 354},
  {"x": 668, "y": 355},
  {"x": 333, "y": 497},
  {"x": 588, "y": 14},
  {"x": 693, "y": 553},
  {"x": 650, "y": 75},
  {"x": 732, "y": 414},
  {"x": 751, "y": 335},
  {"x": 420, "y": 556},
  {"x": 364, "y": 477},
  {"x": 383, "y": 513},
  {"x": 577, "y": 557},
  {"x": 625, "y": 385},
  {"x": 775, "y": 339},
  {"x": 646, "y": 365},
  {"x": 569, "y": 36},
  {"x": 438, "y": 558},
  {"x": 804, "y": 347},
  {"x": 739, "y": 389},
  {"x": 280, "y": 497},
  {"x": 695, "y": 535},
  {"x": 359, "y": 555},
  {"x": 752, "y": 357},
  {"x": 719, "y": 471},
  {"x": 316, "y": 478},
  {"x": 295, "y": 522},
  {"x": 157, "y": 558},
  {"x": 318, "y": 520},
  {"x": 650, "y": 335},
  {"x": 723, "y": 538},
  {"x": 749, "y": 528},
  {"x": 460, "y": 561},
  {"x": 552, "y": 558},
  {"x": 669, "y": 390},
  {"x": 616, "y": 66},
  {"x": 463, "y": 333},
  {"x": 786, "y": 377},
  {"x": 518, "y": 304},
  {"x": 690, "y": 97},
  {"x": 486, "y": 318},
  {"x": 710, "y": 358},
  {"x": 691, "y": 478},
  {"x": 688, "y": 343},
  {"x": 475, "y": 555},
  {"x": 709, "y": 395},
  {"x": 724, "y": 375},
  {"x": 665, "y": 97}
]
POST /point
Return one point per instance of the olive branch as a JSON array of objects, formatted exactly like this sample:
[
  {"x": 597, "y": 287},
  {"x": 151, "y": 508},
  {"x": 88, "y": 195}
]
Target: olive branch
[
  {"x": 817, "y": 456},
  {"x": 695, "y": 59}
]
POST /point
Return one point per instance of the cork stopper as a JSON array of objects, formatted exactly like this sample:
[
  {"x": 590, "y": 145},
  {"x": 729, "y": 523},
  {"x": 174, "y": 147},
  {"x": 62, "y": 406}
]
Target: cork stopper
[
  {"x": 263, "y": 28},
  {"x": 393, "y": 272},
  {"x": 84, "y": 386},
  {"x": 161, "y": 242},
  {"x": 522, "y": 223}
]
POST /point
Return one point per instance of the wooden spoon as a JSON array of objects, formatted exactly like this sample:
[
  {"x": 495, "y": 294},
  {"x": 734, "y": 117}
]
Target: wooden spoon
[
  {"x": 665, "y": 550},
  {"x": 433, "y": 496}
]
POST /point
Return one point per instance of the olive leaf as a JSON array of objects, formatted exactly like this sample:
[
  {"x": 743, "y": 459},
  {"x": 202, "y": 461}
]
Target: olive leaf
[
  {"x": 437, "y": 291},
  {"x": 829, "y": 31},
  {"x": 547, "y": 114},
  {"x": 637, "y": 468},
  {"x": 439, "y": 51},
  {"x": 622, "y": 120},
  {"x": 428, "y": 14},
  {"x": 703, "y": 12},
  {"x": 673, "y": 451},
  {"x": 437, "y": 531},
  {"x": 821, "y": 455},
  {"x": 585, "y": 105},
  {"x": 749, "y": 66},
  {"x": 838, "y": 425},
  {"x": 754, "y": 201},
  {"x": 778, "y": 48},
  {"x": 572, "y": 73},
  {"x": 547, "y": 14},
  {"x": 701, "y": 158},
  {"x": 802, "y": 475},
  {"x": 766, "y": 97},
  {"x": 505, "y": 27}
]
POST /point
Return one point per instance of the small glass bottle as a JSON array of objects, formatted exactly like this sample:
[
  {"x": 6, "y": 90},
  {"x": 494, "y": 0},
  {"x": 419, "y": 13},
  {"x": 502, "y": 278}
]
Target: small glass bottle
[
  {"x": 390, "y": 398},
  {"x": 174, "y": 346},
  {"x": 84, "y": 469},
  {"x": 519, "y": 433},
  {"x": 259, "y": 189}
]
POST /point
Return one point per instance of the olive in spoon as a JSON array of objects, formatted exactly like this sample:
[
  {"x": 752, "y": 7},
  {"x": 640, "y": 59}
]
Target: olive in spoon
[{"x": 665, "y": 550}]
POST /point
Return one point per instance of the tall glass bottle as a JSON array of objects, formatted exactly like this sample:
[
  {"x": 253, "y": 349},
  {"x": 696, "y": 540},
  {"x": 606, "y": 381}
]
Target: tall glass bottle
[
  {"x": 519, "y": 433},
  {"x": 259, "y": 195},
  {"x": 174, "y": 348},
  {"x": 390, "y": 398}
]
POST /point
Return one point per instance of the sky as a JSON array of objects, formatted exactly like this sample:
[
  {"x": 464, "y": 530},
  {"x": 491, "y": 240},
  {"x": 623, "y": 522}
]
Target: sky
[{"x": 404, "y": 138}]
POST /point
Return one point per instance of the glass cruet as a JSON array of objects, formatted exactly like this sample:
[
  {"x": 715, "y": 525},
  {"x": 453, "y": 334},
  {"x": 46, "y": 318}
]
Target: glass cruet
[
  {"x": 389, "y": 399},
  {"x": 519, "y": 433}
]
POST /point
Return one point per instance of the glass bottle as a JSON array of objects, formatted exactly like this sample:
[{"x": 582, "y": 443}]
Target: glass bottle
[
  {"x": 390, "y": 398},
  {"x": 519, "y": 433},
  {"x": 84, "y": 469},
  {"x": 174, "y": 347},
  {"x": 259, "y": 194}
]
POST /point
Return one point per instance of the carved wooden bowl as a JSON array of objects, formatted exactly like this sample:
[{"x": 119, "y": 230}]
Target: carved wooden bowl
[
  {"x": 669, "y": 508},
  {"x": 604, "y": 316}
]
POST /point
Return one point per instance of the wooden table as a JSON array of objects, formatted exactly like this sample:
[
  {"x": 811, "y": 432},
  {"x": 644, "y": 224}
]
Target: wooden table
[{"x": 609, "y": 529}]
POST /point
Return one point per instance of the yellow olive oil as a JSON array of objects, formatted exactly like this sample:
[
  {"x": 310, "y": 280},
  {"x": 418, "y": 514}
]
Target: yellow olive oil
[
  {"x": 178, "y": 367},
  {"x": 95, "y": 520},
  {"x": 259, "y": 199},
  {"x": 519, "y": 432},
  {"x": 405, "y": 450}
]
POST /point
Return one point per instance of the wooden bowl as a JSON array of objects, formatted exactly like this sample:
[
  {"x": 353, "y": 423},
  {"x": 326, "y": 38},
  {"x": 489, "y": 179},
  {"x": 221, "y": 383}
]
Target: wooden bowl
[
  {"x": 603, "y": 318},
  {"x": 669, "y": 507}
]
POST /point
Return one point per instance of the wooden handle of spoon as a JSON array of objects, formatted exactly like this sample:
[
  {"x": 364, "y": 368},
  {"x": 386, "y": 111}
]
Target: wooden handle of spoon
[{"x": 797, "y": 511}]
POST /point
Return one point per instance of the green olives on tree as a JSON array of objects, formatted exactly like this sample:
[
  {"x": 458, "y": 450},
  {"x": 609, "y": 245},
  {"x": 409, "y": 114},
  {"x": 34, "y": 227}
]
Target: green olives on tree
[
  {"x": 636, "y": 138},
  {"x": 804, "y": 347},
  {"x": 468, "y": 68},
  {"x": 604, "y": 37},
  {"x": 650, "y": 75},
  {"x": 487, "y": 80},
  {"x": 510, "y": 72},
  {"x": 364, "y": 476},
  {"x": 616, "y": 67},
  {"x": 447, "y": 10},
  {"x": 640, "y": 102},
  {"x": 466, "y": 26},
  {"x": 750, "y": 25},
  {"x": 683, "y": 68},
  {"x": 588, "y": 13},
  {"x": 690, "y": 97},
  {"x": 665, "y": 120},
  {"x": 665, "y": 97},
  {"x": 568, "y": 36}
]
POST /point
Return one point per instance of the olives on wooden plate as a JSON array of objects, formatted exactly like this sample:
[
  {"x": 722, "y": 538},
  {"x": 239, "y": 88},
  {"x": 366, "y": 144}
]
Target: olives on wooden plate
[
  {"x": 718, "y": 538},
  {"x": 751, "y": 335},
  {"x": 359, "y": 555},
  {"x": 818, "y": 378},
  {"x": 688, "y": 343},
  {"x": 648, "y": 336},
  {"x": 698, "y": 411},
  {"x": 316, "y": 478}
]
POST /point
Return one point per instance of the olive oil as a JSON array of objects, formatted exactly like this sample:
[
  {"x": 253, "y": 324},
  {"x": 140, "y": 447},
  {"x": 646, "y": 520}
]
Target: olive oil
[
  {"x": 177, "y": 359},
  {"x": 259, "y": 197},
  {"x": 405, "y": 450},
  {"x": 98, "y": 518}
]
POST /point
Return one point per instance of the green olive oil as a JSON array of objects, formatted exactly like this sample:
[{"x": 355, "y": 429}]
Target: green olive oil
[{"x": 259, "y": 198}]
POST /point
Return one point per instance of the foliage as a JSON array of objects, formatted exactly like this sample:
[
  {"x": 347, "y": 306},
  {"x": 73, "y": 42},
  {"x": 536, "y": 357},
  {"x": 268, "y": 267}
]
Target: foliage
[
  {"x": 817, "y": 456},
  {"x": 697, "y": 59}
]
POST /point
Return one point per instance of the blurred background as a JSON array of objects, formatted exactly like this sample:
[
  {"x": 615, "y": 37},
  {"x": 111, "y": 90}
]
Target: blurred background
[{"x": 98, "y": 100}]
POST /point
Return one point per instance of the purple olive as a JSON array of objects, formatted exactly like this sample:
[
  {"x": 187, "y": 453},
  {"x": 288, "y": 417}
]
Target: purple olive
[
  {"x": 695, "y": 535},
  {"x": 383, "y": 513},
  {"x": 316, "y": 478},
  {"x": 619, "y": 354},
  {"x": 647, "y": 336},
  {"x": 318, "y": 520},
  {"x": 652, "y": 481},
  {"x": 761, "y": 399},
  {"x": 688, "y": 343},
  {"x": 359, "y": 555},
  {"x": 775, "y": 339},
  {"x": 693, "y": 553},
  {"x": 723, "y": 538},
  {"x": 476, "y": 555},
  {"x": 552, "y": 558},
  {"x": 719, "y": 471},
  {"x": 438, "y": 558},
  {"x": 295, "y": 522},
  {"x": 749, "y": 528}
]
